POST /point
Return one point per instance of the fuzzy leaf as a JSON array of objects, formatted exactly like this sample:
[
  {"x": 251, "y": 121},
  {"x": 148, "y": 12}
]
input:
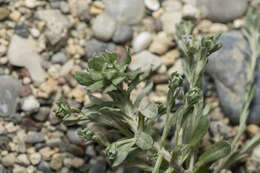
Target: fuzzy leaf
[
  {"x": 144, "y": 141},
  {"x": 150, "y": 110},
  {"x": 143, "y": 93},
  {"x": 215, "y": 152},
  {"x": 83, "y": 78},
  {"x": 96, "y": 86}
]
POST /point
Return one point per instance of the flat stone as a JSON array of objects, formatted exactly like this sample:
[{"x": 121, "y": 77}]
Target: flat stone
[
  {"x": 34, "y": 137},
  {"x": 169, "y": 21},
  {"x": 80, "y": 8},
  {"x": 56, "y": 161},
  {"x": 9, "y": 159},
  {"x": 9, "y": 91},
  {"x": 44, "y": 167},
  {"x": 145, "y": 60},
  {"x": 4, "y": 13},
  {"x": 23, "y": 53},
  {"x": 125, "y": 11},
  {"x": 219, "y": 10},
  {"x": 74, "y": 137},
  {"x": 57, "y": 25}
]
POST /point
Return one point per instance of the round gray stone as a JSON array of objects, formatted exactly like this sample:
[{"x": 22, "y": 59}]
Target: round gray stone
[{"x": 123, "y": 34}]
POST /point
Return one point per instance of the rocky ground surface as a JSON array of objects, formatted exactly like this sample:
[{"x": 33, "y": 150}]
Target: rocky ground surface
[{"x": 43, "y": 42}]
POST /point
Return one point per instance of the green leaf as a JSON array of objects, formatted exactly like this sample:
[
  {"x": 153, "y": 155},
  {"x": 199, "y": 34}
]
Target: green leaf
[
  {"x": 200, "y": 131},
  {"x": 110, "y": 88},
  {"x": 150, "y": 110},
  {"x": 214, "y": 153},
  {"x": 83, "y": 78},
  {"x": 96, "y": 86},
  {"x": 118, "y": 80},
  {"x": 143, "y": 93},
  {"x": 127, "y": 59},
  {"x": 97, "y": 63},
  {"x": 96, "y": 76},
  {"x": 144, "y": 141}
]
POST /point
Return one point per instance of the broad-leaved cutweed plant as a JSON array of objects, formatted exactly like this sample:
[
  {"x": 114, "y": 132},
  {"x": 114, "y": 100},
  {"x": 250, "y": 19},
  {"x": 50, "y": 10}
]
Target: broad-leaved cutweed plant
[{"x": 126, "y": 126}]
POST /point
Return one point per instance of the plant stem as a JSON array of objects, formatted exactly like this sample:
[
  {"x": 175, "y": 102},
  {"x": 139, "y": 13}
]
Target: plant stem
[{"x": 162, "y": 141}]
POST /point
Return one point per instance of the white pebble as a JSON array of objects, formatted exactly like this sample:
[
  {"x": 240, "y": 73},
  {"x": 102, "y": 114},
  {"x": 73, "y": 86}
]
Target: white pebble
[{"x": 142, "y": 41}]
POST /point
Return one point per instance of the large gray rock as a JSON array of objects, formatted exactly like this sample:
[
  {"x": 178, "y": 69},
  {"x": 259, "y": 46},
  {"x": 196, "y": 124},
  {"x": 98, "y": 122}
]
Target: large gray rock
[
  {"x": 23, "y": 52},
  {"x": 229, "y": 68},
  {"x": 9, "y": 90},
  {"x": 94, "y": 47},
  {"x": 125, "y": 11},
  {"x": 57, "y": 25},
  {"x": 222, "y": 10}
]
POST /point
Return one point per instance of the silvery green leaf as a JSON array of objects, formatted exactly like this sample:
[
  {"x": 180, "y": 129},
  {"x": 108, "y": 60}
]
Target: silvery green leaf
[
  {"x": 110, "y": 88},
  {"x": 206, "y": 110},
  {"x": 96, "y": 76},
  {"x": 83, "y": 78},
  {"x": 123, "y": 152},
  {"x": 96, "y": 86},
  {"x": 213, "y": 153},
  {"x": 199, "y": 131},
  {"x": 127, "y": 59},
  {"x": 118, "y": 80},
  {"x": 144, "y": 141},
  {"x": 97, "y": 63},
  {"x": 143, "y": 93},
  {"x": 150, "y": 110}
]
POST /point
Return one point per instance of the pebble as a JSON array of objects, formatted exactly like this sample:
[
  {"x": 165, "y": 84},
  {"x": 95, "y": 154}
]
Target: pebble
[
  {"x": 42, "y": 114},
  {"x": 23, "y": 159},
  {"x": 32, "y": 3},
  {"x": 9, "y": 159},
  {"x": 104, "y": 27},
  {"x": 99, "y": 167},
  {"x": 169, "y": 58},
  {"x": 44, "y": 167},
  {"x": 123, "y": 34},
  {"x": 3, "y": 50},
  {"x": 161, "y": 43},
  {"x": 30, "y": 104},
  {"x": 190, "y": 11},
  {"x": 56, "y": 161},
  {"x": 15, "y": 16},
  {"x": 145, "y": 60},
  {"x": 47, "y": 152},
  {"x": 34, "y": 137},
  {"x": 35, "y": 32},
  {"x": 142, "y": 41},
  {"x": 219, "y": 10},
  {"x": 73, "y": 136},
  {"x": 22, "y": 30},
  {"x": 19, "y": 169},
  {"x": 152, "y": 4},
  {"x": 256, "y": 153},
  {"x": 35, "y": 158},
  {"x": 9, "y": 91},
  {"x": 80, "y": 8},
  {"x": 169, "y": 21},
  {"x": 177, "y": 67},
  {"x": 94, "y": 47},
  {"x": 252, "y": 130},
  {"x": 4, "y": 13},
  {"x": 57, "y": 25},
  {"x": 218, "y": 28},
  {"x": 23, "y": 52},
  {"x": 77, "y": 162},
  {"x": 64, "y": 7},
  {"x": 59, "y": 58},
  {"x": 125, "y": 11}
]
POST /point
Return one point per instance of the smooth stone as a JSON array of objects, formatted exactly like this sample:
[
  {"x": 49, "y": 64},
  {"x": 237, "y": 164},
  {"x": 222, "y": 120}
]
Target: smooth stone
[
  {"x": 9, "y": 91},
  {"x": 161, "y": 43},
  {"x": 30, "y": 104},
  {"x": 99, "y": 167},
  {"x": 94, "y": 47},
  {"x": 34, "y": 137},
  {"x": 123, "y": 34},
  {"x": 4, "y": 13},
  {"x": 23, "y": 53},
  {"x": 44, "y": 167},
  {"x": 125, "y": 11},
  {"x": 9, "y": 159},
  {"x": 64, "y": 7},
  {"x": 74, "y": 137},
  {"x": 142, "y": 41},
  {"x": 22, "y": 30},
  {"x": 220, "y": 10},
  {"x": 59, "y": 58},
  {"x": 228, "y": 67},
  {"x": 190, "y": 11},
  {"x": 169, "y": 21},
  {"x": 104, "y": 27},
  {"x": 80, "y": 8},
  {"x": 256, "y": 153},
  {"x": 43, "y": 114},
  {"x": 144, "y": 60},
  {"x": 57, "y": 25},
  {"x": 56, "y": 161},
  {"x": 152, "y": 4}
]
